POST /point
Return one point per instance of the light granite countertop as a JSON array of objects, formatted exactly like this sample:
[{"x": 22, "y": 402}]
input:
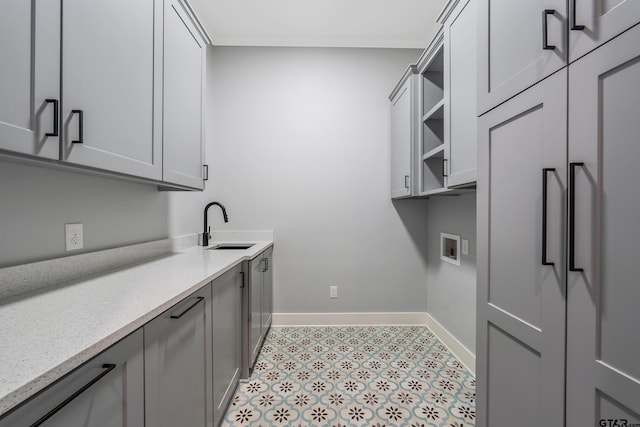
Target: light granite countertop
[{"x": 47, "y": 333}]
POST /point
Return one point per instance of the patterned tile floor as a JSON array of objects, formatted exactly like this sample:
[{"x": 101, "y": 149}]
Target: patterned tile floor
[{"x": 373, "y": 376}]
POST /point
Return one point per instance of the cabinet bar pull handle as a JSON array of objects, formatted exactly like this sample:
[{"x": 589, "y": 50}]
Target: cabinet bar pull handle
[
  {"x": 406, "y": 181},
  {"x": 242, "y": 279},
  {"x": 545, "y": 172},
  {"x": 80, "y": 114},
  {"x": 205, "y": 172},
  {"x": 56, "y": 105},
  {"x": 444, "y": 168},
  {"x": 574, "y": 26},
  {"x": 266, "y": 261},
  {"x": 545, "y": 14},
  {"x": 198, "y": 301},
  {"x": 264, "y": 265},
  {"x": 572, "y": 217},
  {"x": 108, "y": 367}
]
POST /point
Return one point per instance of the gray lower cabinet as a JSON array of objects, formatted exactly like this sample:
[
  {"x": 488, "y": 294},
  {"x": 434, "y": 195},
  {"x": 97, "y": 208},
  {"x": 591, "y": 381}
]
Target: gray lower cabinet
[
  {"x": 267, "y": 291},
  {"x": 177, "y": 355},
  {"x": 227, "y": 338},
  {"x": 258, "y": 307},
  {"x": 107, "y": 391}
]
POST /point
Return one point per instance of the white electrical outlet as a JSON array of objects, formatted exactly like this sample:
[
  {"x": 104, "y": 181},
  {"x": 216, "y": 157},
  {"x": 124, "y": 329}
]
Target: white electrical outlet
[
  {"x": 465, "y": 246},
  {"x": 73, "y": 236},
  {"x": 333, "y": 292}
]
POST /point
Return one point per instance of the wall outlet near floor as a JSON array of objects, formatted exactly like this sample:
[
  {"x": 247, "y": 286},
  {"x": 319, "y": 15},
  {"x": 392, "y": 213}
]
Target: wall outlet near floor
[
  {"x": 465, "y": 246},
  {"x": 73, "y": 236},
  {"x": 333, "y": 292}
]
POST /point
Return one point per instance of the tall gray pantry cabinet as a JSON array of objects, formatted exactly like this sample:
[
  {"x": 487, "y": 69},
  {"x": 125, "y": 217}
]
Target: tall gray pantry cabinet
[{"x": 557, "y": 223}]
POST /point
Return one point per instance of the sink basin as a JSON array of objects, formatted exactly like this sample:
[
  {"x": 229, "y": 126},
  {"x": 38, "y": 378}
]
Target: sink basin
[{"x": 237, "y": 246}]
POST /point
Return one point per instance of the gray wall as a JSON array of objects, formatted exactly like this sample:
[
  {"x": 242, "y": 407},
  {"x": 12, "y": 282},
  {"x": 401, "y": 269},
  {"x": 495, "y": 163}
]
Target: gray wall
[
  {"x": 36, "y": 202},
  {"x": 451, "y": 288},
  {"x": 301, "y": 138}
]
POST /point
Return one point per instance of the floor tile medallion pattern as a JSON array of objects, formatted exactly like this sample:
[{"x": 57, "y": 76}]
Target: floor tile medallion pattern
[{"x": 370, "y": 376}]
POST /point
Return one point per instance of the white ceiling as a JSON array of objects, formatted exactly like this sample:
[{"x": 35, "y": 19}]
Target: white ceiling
[{"x": 329, "y": 23}]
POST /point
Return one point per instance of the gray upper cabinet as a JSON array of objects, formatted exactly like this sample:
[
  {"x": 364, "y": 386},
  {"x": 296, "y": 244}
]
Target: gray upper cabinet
[
  {"x": 593, "y": 22},
  {"x": 227, "y": 335},
  {"x": 107, "y": 391},
  {"x": 30, "y": 83},
  {"x": 111, "y": 76},
  {"x": 603, "y": 352},
  {"x": 519, "y": 44},
  {"x": 184, "y": 96},
  {"x": 177, "y": 355},
  {"x": 403, "y": 132},
  {"x": 460, "y": 82}
]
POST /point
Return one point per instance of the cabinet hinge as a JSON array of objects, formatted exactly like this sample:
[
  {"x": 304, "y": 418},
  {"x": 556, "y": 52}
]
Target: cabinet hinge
[{"x": 205, "y": 172}]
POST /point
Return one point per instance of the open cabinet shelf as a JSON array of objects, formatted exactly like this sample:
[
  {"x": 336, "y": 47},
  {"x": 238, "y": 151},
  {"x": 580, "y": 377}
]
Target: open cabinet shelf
[{"x": 432, "y": 153}]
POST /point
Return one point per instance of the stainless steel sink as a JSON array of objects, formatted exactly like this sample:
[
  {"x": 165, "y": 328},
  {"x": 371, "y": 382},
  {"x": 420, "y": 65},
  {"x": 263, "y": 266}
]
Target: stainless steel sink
[{"x": 237, "y": 246}]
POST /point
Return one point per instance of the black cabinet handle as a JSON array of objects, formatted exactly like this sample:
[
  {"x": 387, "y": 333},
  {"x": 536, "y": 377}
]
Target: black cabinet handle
[
  {"x": 265, "y": 265},
  {"x": 572, "y": 216},
  {"x": 545, "y": 172},
  {"x": 108, "y": 367},
  {"x": 56, "y": 112},
  {"x": 80, "y": 114},
  {"x": 545, "y": 14},
  {"x": 444, "y": 168},
  {"x": 406, "y": 181},
  {"x": 198, "y": 301},
  {"x": 574, "y": 26},
  {"x": 242, "y": 279}
]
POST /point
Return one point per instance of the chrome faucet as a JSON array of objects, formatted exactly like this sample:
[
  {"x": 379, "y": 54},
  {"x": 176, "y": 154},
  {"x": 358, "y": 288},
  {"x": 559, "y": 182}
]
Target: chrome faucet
[{"x": 206, "y": 234}]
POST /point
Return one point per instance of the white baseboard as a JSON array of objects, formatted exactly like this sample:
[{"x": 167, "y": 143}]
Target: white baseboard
[
  {"x": 466, "y": 357},
  {"x": 333, "y": 319},
  {"x": 463, "y": 354}
]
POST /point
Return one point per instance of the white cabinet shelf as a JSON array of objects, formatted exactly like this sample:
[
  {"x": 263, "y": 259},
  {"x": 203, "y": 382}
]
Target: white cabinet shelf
[
  {"x": 436, "y": 112},
  {"x": 436, "y": 152}
]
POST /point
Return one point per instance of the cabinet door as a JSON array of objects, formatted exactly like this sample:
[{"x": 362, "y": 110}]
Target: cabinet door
[
  {"x": 460, "y": 101},
  {"x": 401, "y": 140},
  {"x": 107, "y": 391},
  {"x": 603, "y": 352},
  {"x": 594, "y": 22},
  {"x": 30, "y": 70},
  {"x": 108, "y": 74},
  {"x": 520, "y": 301},
  {"x": 177, "y": 347},
  {"x": 510, "y": 46},
  {"x": 184, "y": 97},
  {"x": 255, "y": 308},
  {"x": 227, "y": 333},
  {"x": 267, "y": 291}
]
